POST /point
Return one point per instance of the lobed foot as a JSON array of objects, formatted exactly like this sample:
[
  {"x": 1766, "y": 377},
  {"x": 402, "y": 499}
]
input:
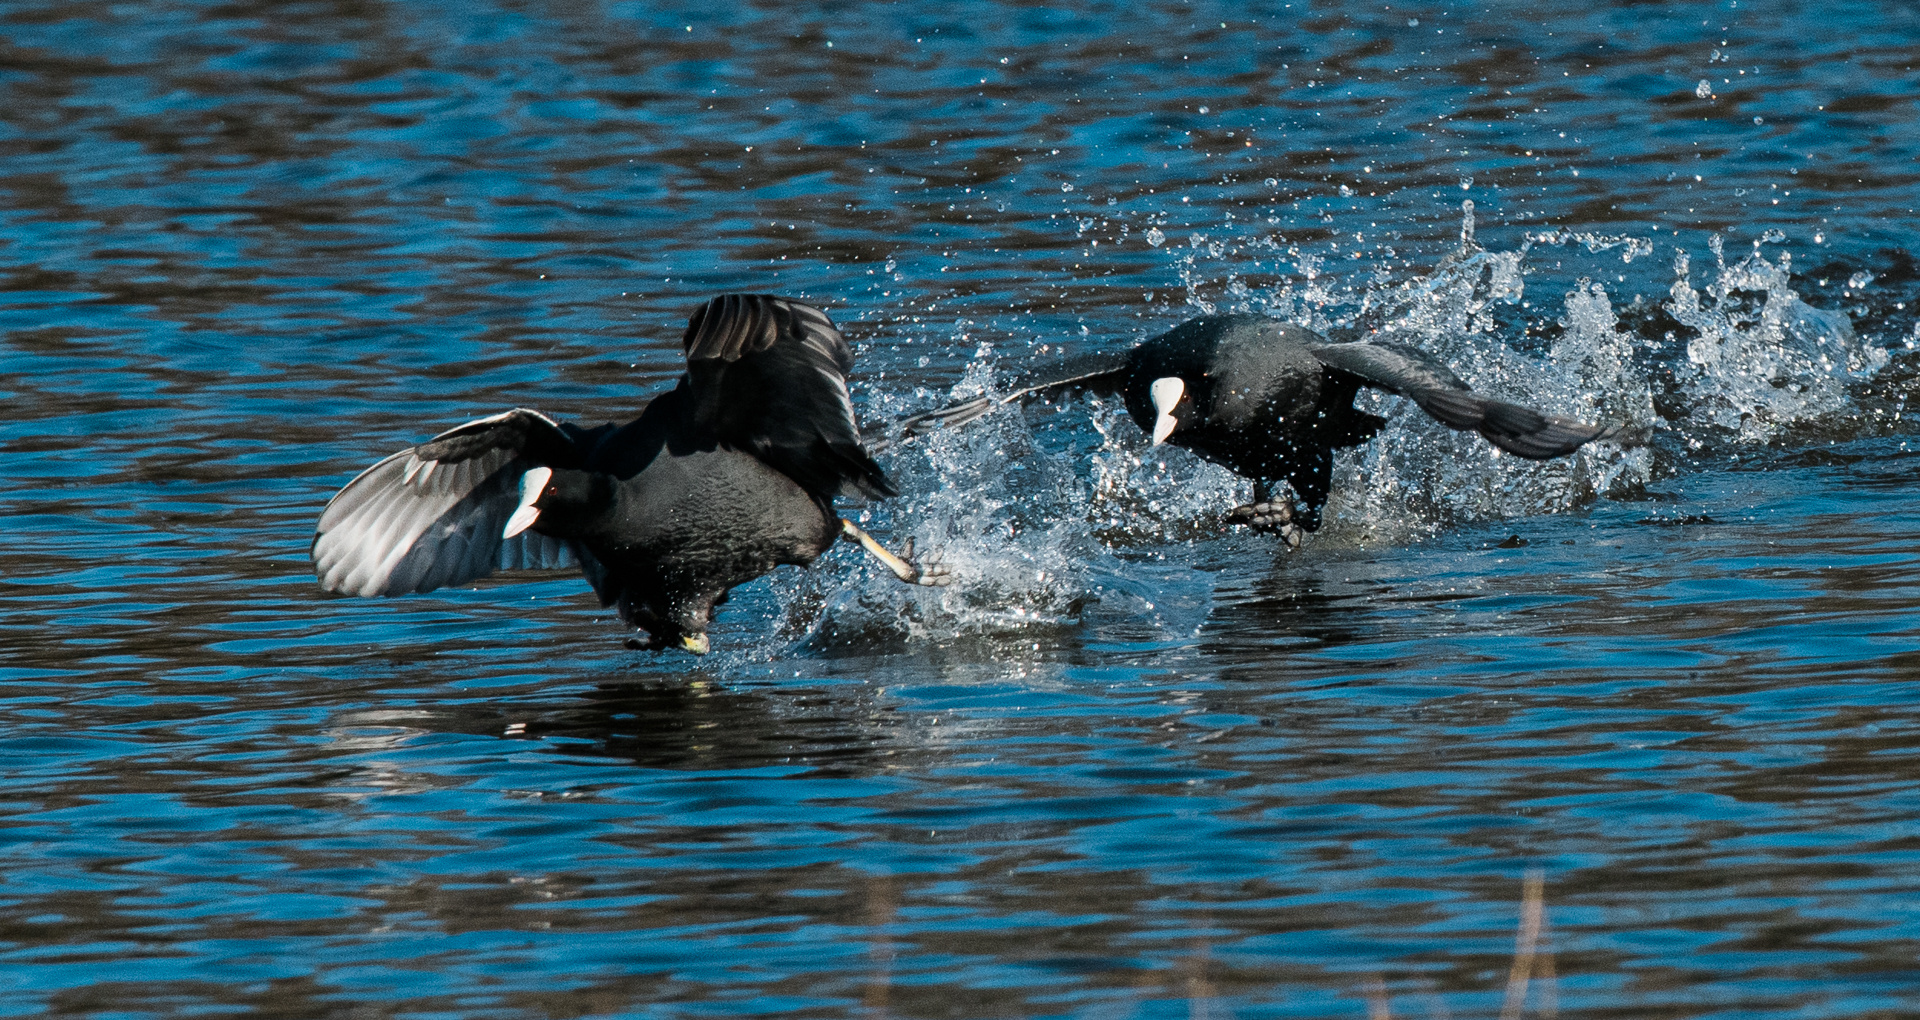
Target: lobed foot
[
  {"x": 932, "y": 573},
  {"x": 928, "y": 571},
  {"x": 698, "y": 644},
  {"x": 1270, "y": 517}
]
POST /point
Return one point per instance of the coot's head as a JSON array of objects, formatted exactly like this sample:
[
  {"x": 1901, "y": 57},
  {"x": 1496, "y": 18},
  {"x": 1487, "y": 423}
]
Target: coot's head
[
  {"x": 560, "y": 503},
  {"x": 1173, "y": 404}
]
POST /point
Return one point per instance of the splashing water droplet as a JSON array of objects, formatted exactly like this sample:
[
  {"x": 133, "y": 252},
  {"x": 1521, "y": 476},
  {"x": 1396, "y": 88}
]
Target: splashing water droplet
[
  {"x": 1466, "y": 183},
  {"x": 1859, "y": 280},
  {"x": 1155, "y": 237},
  {"x": 1774, "y": 236},
  {"x": 1704, "y": 89},
  {"x": 1066, "y": 186}
]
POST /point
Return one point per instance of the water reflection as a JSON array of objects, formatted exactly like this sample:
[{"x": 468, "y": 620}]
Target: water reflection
[{"x": 674, "y": 722}]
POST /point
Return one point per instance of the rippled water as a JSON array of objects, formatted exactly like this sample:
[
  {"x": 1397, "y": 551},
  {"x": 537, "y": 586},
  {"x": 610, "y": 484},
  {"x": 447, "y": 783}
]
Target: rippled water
[{"x": 1132, "y": 763}]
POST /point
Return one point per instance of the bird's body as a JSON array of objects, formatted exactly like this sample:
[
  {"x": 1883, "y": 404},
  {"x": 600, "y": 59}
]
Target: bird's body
[
  {"x": 1262, "y": 406},
  {"x": 1272, "y": 402},
  {"x": 676, "y": 534},
  {"x": 728, "y": 475}
]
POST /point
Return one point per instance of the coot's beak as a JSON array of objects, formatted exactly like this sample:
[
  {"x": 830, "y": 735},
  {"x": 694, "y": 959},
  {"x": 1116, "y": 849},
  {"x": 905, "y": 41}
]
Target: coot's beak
[
  {"x": 698, "y": 644},
  {"x": 1165, "y": 393},
  {"x": 532, "y": 484}
]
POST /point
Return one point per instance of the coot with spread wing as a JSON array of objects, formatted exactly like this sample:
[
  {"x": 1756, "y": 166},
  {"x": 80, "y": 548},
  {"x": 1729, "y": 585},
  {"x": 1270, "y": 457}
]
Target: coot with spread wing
[{"x": 722, "y": 478}]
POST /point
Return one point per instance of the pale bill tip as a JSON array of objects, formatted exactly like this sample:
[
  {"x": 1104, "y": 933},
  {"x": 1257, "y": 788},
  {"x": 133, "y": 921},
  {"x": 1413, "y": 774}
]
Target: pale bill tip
[
  {"x": 521, "y": 520},
  {"x": 1163, "y": 427}
]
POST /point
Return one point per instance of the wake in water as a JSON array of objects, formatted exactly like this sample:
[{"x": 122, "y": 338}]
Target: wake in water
[{"x": 1045, "y": 512}]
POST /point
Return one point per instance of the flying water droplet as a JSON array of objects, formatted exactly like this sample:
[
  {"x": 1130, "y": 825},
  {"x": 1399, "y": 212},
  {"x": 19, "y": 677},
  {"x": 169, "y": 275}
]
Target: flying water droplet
[
  {"x": 1704, "y": 89},
  {"x": 1155, "y": 237}
]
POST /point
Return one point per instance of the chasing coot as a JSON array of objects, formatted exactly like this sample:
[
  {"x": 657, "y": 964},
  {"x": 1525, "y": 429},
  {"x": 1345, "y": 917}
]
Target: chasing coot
[
  {"x": 1272, "y": 401},
  {"x": 719, "y": 480}
]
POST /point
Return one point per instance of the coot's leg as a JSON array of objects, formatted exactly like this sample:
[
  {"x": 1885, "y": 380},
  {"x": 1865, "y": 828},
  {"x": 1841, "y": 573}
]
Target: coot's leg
[
  {"x": 661, "y": 633},
  {"x": 1312, "y": 480},
  {"x": 1267, "y": 514},
  {"x": 932, "y": 574}
]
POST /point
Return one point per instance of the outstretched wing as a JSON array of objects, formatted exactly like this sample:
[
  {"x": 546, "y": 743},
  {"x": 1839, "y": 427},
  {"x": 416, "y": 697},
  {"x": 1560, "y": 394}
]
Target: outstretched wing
[
  {"x": 1102, "y": 371},
  {"x": 769, "y": 376},
  {"x": 432, "y": 515},
  {"x": 1521, "y": 431}
]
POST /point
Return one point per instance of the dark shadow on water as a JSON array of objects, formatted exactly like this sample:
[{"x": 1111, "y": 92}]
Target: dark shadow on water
[
  {"x": 684, "y": 724},
  {"x": 1294, "y": 605}
]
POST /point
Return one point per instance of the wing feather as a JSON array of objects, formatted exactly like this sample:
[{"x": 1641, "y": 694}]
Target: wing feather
[
  {"x": 769, "y": 376},
  {"x": 1102, "y": 372},
  {"x": 431, "y": 515},
  {"x": 1413, "y": 373}
]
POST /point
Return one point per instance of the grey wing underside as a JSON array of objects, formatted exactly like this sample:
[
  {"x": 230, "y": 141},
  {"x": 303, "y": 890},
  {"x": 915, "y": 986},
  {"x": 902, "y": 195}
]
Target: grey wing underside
[
  {"x": 431, "y": 515},
  {"x": 1411, "y": 373},
  {"x": 1100, "y": 372}
]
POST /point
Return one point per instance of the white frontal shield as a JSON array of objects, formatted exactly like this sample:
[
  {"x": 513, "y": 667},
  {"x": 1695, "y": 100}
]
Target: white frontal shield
[
  {"x": 1165, "y": 393},
  {"x": 532, "y": 484}
]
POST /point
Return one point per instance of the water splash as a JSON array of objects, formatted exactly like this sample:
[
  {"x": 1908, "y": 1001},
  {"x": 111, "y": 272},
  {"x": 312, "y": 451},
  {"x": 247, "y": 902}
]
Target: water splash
[
  {"x": 1045, "y": 512},
  {"x": 1763, "y": 359},
  {"x": 1418, "y": 477},
  {"x": 1010, "y": 521},
  {"x": 1144, "y": 494}
]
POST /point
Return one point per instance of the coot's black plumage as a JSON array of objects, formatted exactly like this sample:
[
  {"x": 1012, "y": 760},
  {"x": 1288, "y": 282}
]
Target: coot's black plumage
[
  {"x": 1272, "y": 401},
  {"x": 719, "y": 480}
]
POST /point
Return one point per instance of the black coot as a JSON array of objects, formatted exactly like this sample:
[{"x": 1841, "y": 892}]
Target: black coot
[
  {"x": 1272, "y": 401},
  {"x": 726, "y": 476}
]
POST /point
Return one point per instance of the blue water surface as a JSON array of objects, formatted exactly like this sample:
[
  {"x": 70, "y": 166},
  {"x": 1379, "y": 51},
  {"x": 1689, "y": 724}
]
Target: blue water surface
[{"x": 1133, "y": 763}]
